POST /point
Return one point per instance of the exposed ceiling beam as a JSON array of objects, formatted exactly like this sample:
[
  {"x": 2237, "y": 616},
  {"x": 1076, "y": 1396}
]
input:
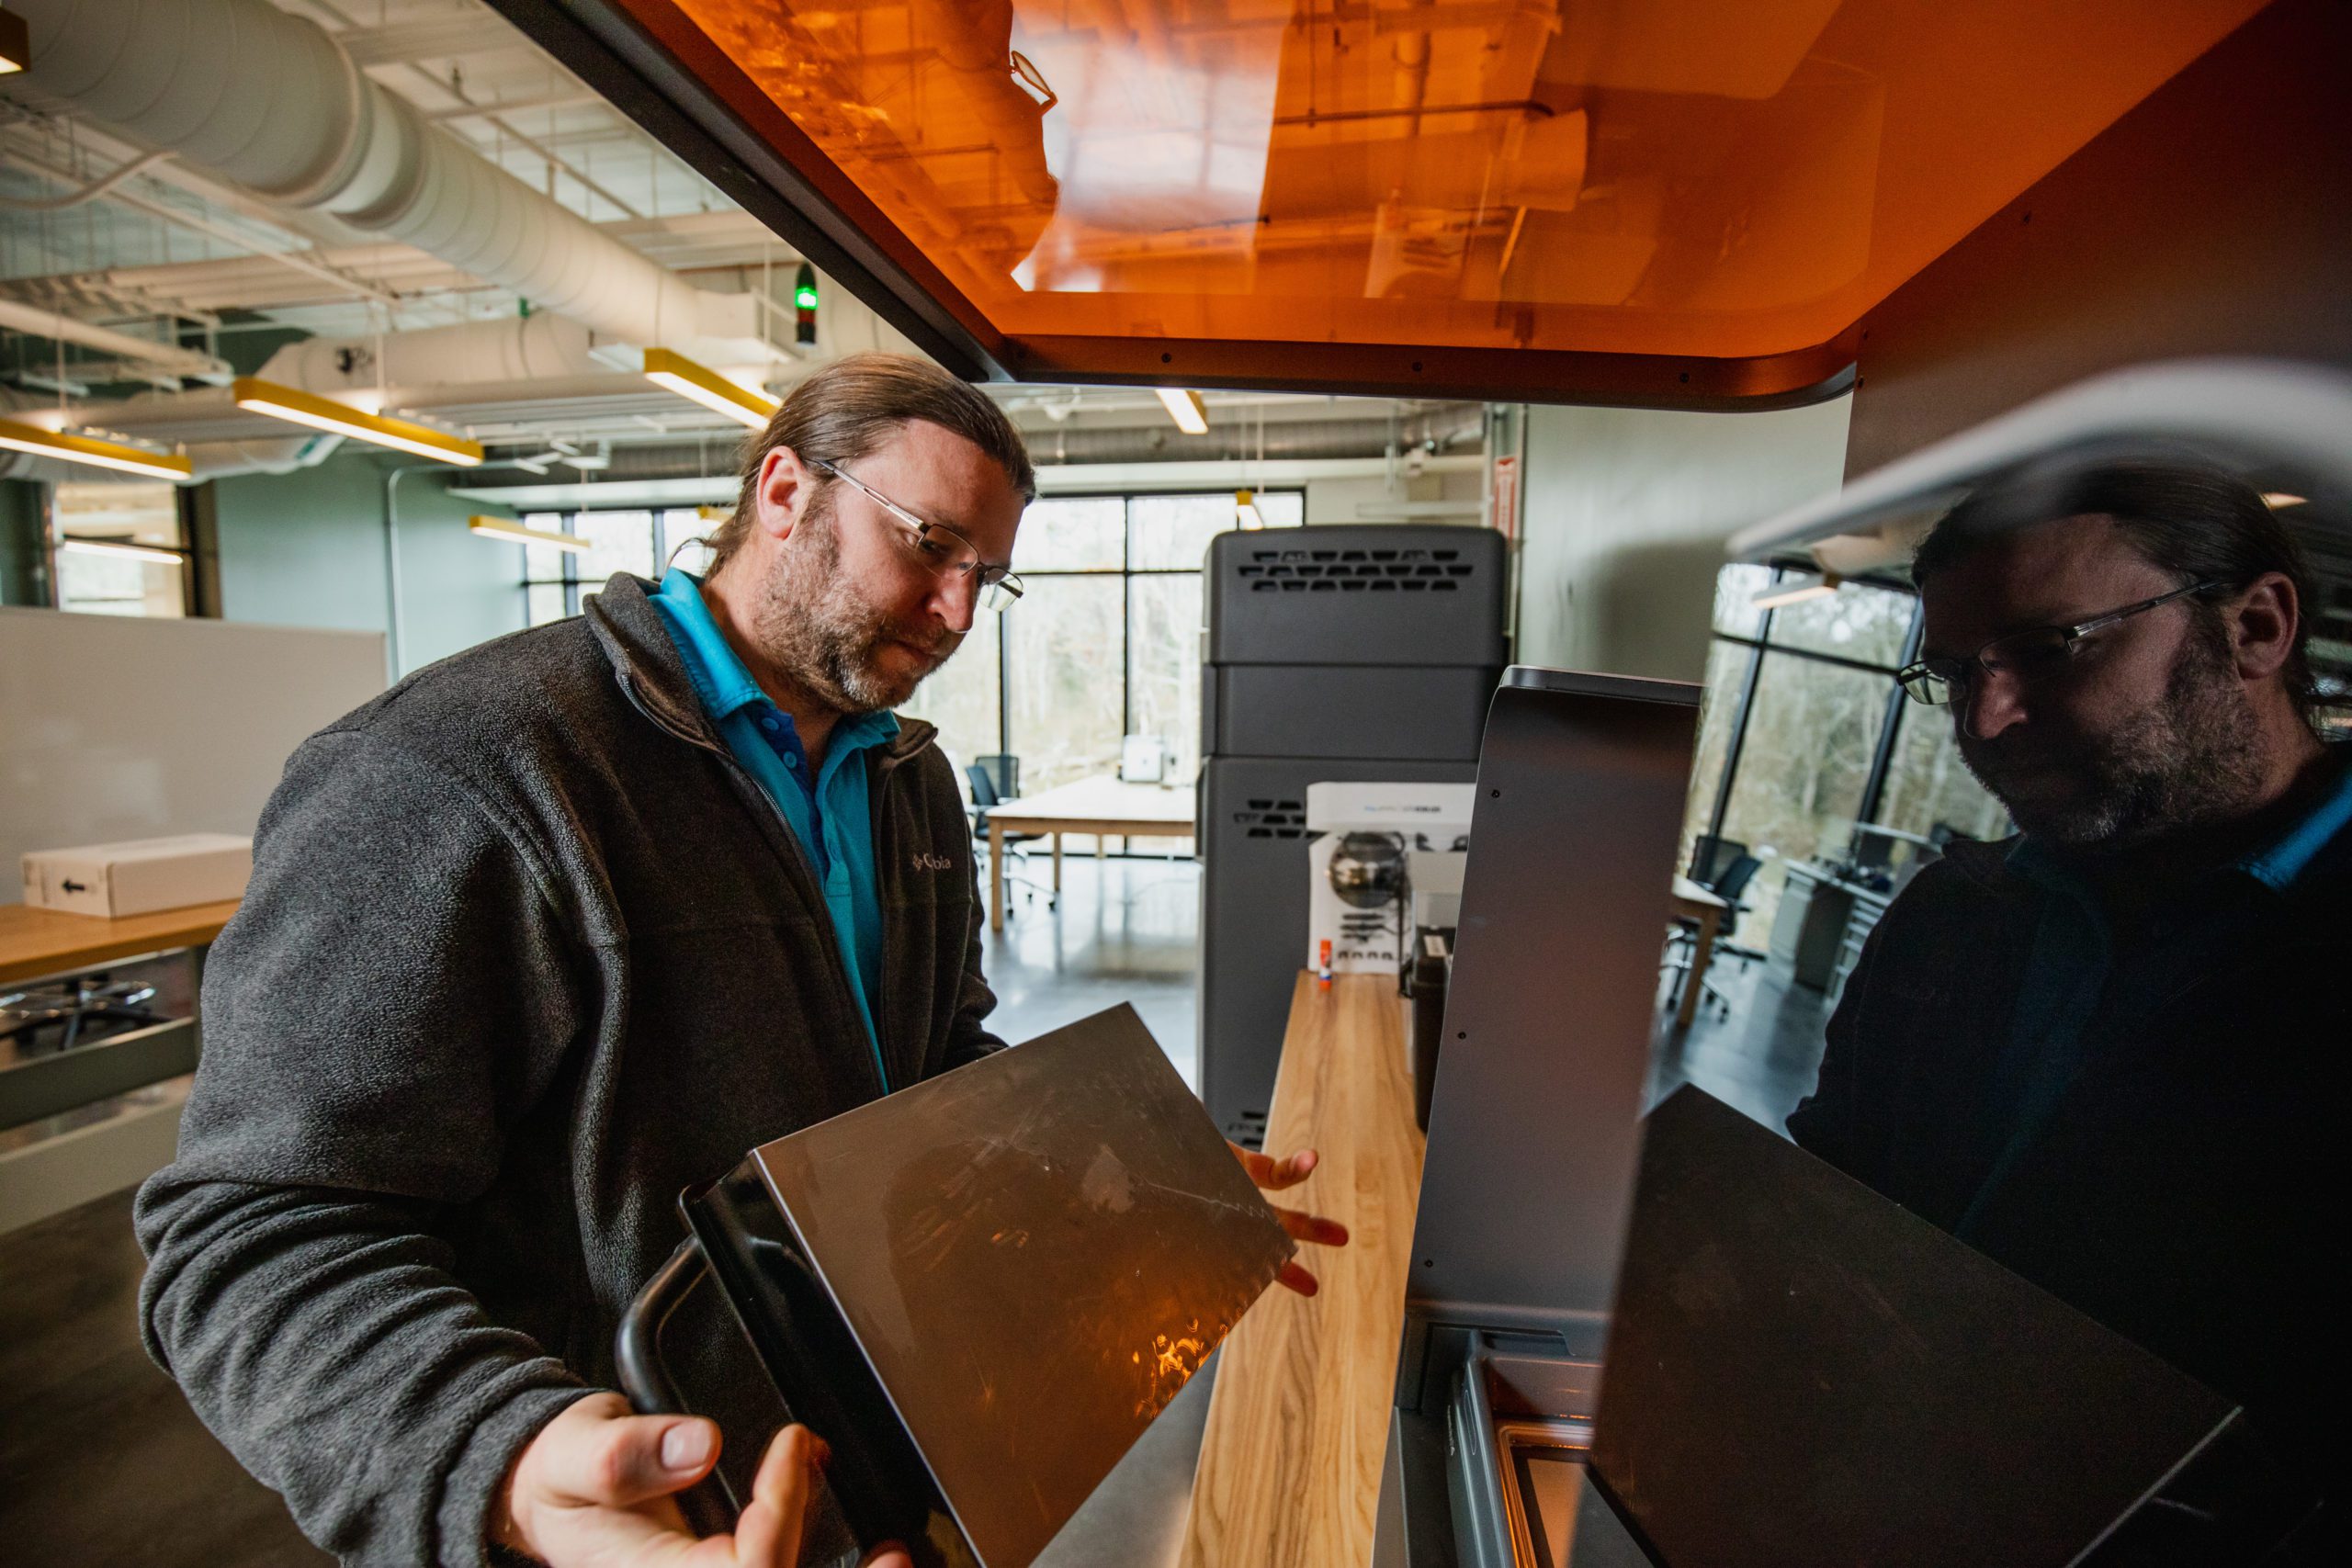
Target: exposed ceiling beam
[
  {"x": 437, "y": 38},
  {"x": 296, "y": 260}
]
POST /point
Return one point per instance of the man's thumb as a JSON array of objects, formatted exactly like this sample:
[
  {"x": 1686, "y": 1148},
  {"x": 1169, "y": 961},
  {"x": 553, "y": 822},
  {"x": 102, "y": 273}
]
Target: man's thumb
[{"x": 637, "y": 1457}]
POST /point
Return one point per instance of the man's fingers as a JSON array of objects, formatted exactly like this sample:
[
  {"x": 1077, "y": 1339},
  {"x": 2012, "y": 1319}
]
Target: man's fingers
[
  {"x": 1272, "y": 1174},
  {"x": 768, "y": 1533},
  {"x": 889, "y": 1554},
  {"x": 1295, "y": 1277},
  {"x": 597, "y": 1454},
  {"x": 1313, "y": 1228}
]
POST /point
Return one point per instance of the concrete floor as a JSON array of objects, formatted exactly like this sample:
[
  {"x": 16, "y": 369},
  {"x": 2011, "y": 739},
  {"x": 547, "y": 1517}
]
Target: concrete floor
[
  {"x": 102, "y": 1461},
  {"x": 1126, "y": 931}
]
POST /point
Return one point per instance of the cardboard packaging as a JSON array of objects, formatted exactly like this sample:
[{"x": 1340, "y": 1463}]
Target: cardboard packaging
[
  {"x": 1364, "y": 836},
  {"x": 140, "y": 877}
]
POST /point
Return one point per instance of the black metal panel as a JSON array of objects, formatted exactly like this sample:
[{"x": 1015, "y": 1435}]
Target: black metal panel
[
  {"x": 983, "y": 1287},
  {"x": 1801, "y": 1372},
  {"x": 1357, "y": 593},
  {"x": 1253, "y": 914},
  {"x": 1410, "y": 713}
]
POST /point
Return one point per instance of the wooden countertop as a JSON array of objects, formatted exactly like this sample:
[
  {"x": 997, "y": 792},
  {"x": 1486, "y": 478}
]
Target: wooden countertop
[
  {"x": 1289, "y": 1473},
  {"x": 34, "y": 943}
]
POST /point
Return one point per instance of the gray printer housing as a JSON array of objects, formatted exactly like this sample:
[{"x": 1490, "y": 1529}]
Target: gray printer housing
[{"x": 1339, "y": 652}]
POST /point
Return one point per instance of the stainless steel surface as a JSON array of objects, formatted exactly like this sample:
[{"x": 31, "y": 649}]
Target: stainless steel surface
[
  {"x": 1036, "y": 1254},
  {"x": 1534, "y": 1132}
]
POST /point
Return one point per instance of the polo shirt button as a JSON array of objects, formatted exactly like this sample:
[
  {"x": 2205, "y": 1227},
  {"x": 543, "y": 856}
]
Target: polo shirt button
[
  {"x": 790, "y": 761},
  {"x": 770, "y": 724}
]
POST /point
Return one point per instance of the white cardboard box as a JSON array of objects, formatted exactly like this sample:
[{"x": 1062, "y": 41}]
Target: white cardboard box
[
  {"x": 1363, "y": 835},
  {"x": 140, "y": 877}
]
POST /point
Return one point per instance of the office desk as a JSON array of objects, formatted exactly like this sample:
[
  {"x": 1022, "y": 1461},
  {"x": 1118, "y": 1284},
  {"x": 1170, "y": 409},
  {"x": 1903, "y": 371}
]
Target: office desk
[
  {"x": 34, "y": 943},
  {"x": 1696, "y": 903},
  {"x": 1099, "y": 805},
  {"x": 1289, "y": 1473}
]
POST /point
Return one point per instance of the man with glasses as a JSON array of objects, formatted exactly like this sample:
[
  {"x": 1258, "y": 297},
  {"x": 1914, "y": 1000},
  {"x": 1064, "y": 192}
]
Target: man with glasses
[
  {"x": 551, "y": 931},
  {"x": 2109, "y": 1051}
]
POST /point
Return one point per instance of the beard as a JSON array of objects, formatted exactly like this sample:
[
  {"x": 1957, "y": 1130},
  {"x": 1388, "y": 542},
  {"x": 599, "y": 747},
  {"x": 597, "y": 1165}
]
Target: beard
[
  {"x": 819, "y": 630},
  {"x": 2191, "y": 758}
]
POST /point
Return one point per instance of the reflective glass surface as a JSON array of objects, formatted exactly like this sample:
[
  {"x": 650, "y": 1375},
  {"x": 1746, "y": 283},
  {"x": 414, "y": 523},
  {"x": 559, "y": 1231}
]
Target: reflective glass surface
[{"x": 1710, "y": 178}]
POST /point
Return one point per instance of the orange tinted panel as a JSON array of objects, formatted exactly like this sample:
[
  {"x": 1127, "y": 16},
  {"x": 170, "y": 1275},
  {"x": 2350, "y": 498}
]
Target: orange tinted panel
[{"x": 1720, "y": 179}]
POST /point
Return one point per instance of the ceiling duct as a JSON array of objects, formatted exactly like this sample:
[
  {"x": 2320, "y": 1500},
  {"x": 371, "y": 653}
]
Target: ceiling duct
[
  {"x": 271, "y": 101},
  {"x": 1448, "y": 427}
]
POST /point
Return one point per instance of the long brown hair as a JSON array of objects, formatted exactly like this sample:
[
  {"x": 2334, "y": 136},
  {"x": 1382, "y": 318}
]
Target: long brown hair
[{"x": 853, "y": 405}]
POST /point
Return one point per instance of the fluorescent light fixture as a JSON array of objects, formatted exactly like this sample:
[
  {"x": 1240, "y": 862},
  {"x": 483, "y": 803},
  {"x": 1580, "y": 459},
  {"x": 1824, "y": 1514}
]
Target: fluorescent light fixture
[
  {"x": 508, "y": 529},
  {"x": 1796, "y": 591},
  {"x": 1184, "y": 406},
  {"x": 2278, "y": 500},
  {"x": 298, "y": 407},
  {"x": 15, "y": 43},
  {"x": 1245, "y": 509},
  {"x": 80, "y": 546},
  {"x": 17, "y": 436},
  {"x": 701, "y": 384}
]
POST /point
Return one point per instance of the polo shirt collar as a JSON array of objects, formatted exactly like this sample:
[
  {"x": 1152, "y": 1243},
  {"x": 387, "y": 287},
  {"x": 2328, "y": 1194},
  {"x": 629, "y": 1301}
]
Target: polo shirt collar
[{"x": 724, "y": 685}]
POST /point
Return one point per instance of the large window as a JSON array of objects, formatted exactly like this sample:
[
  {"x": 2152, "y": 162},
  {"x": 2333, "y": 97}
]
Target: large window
[
  {"x": 122, "y": 550},
  {"x": 646, "y": 543},
  {"x": 1104, "y": 644},
  {"x": 1804, "y": 734}
]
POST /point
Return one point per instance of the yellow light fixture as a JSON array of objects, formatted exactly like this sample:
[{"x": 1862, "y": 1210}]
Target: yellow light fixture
[
  {"x": 15, "y": 43},
  {"x": 2278, "y": 500},
  {"x": 1245, "y": 509},
  {"x": 701, "y": 384},
  {"x": 117, "y": 455},
  {"x": 296, "y": 406},
  {"x": 1185, "y": 407},
  {"x": 1798, "y": 590},
  {"x": 81, "y": 546},
  {"x": 508, "y": 529}
]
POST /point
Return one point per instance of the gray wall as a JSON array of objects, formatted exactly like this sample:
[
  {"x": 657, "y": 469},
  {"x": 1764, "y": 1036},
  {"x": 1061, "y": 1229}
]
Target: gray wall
[
  {"x": 1625, "y": 513},
  {"x": 307, "y": 550}
]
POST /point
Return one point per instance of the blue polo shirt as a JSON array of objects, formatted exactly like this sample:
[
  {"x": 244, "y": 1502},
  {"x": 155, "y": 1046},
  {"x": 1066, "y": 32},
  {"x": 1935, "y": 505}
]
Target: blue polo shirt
[
  {"x": 827, "y": 807},
  {"x": 2074, "y": 961}
]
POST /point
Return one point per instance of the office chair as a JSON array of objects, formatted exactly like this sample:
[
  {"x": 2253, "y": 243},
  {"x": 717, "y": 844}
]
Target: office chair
[
  {"x": 987, "y": 791},
  {"x": 1728, "y": 888},
  {"x": 1711, "y": 857}
]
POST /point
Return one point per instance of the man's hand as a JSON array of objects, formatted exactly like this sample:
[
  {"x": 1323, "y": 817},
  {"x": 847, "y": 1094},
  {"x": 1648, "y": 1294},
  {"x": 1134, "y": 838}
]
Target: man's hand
[
  {"x": 594, "y": 1490},
  {"x": 1274, "y": 1175}
]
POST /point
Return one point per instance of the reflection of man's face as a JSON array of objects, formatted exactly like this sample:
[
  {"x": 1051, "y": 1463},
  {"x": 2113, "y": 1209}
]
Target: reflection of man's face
[
  {"x": 2143, "y": 730},
  {"x": 852, "y": 611}
]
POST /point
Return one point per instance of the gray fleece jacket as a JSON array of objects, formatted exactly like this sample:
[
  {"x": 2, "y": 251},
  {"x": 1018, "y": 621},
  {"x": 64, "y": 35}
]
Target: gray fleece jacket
[{"x": 525, "y": 953}]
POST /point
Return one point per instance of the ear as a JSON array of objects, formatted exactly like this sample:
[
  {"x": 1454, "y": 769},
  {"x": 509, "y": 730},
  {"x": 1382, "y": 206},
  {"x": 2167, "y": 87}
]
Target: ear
[
  {"x": 783, "y": 492},
  {"x": 2262, "y": 626}
]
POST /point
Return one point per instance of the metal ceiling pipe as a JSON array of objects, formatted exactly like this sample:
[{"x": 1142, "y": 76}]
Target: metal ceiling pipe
[
  {"x": 271, "y": 102},
  {"x": 1287, "y": 438},
  {"x": 167, "y": 358}
]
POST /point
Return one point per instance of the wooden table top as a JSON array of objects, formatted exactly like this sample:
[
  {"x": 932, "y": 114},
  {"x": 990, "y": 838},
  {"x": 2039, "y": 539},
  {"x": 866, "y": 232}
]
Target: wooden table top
[
  {"x": 1691, "y": 892},
  {"x": 1105, "y": 799},
  {"x": 1289, "y": 1474},
  {"x": 34, "y": 943}
]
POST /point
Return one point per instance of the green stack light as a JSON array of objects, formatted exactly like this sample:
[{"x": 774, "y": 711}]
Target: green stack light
[{"x": 804, "y": 304}]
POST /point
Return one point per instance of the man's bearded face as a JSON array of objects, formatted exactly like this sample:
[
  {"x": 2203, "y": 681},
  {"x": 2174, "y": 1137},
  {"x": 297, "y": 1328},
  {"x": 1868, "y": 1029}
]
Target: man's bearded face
[
  {"x": 837, "y": 636},
  {"x": 2118, "y": 776}
]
